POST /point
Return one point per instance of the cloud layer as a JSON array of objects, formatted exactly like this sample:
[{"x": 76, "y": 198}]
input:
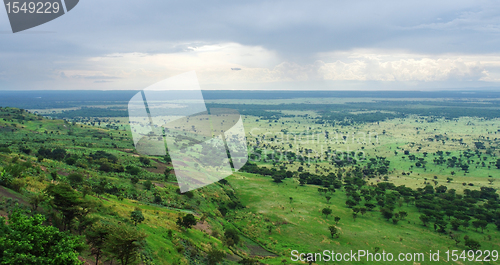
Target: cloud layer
[
  {"x": 214, "y": 64},
  {"x": 128, "y": 45}
]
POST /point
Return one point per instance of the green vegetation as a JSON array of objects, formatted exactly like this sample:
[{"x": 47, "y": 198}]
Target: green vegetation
[
  {"x": 25, "y": 240},
  {"x": 114, "y": 205},
  {"x": 387, "y": 175}
]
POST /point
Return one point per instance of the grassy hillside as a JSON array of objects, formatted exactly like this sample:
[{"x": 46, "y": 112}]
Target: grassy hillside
[
  {"x": 115, "y": 180},
  {"x": 298, "y": 224},
  {"x": 413, "y": 165}
]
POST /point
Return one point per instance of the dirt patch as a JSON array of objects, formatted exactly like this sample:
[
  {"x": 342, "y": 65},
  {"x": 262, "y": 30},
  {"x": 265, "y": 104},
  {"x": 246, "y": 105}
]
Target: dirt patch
[
  {"x": 204, "y": 227},
  {"x": 6, "y": 193},
  {"x": 86, "y": 261},
  {"x": 161, "y": 185},
  {"x": 260, "y": 251},
  {"x": 63, "y": 173},
  {"x": 233, "y": 258},
  {"x": 160, "y": 167}
]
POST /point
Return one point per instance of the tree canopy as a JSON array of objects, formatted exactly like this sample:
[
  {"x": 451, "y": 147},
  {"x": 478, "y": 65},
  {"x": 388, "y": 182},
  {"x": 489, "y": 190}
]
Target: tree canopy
[{"x": 25, "y": 240}]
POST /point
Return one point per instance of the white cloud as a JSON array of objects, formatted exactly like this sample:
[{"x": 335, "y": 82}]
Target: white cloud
[
  {"x": 399, "y": 66},
  {"x": 213, "y": 64}
]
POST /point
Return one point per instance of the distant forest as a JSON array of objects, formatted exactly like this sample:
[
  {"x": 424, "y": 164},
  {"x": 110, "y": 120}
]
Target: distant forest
[
  {"x": 48, "y": 99},
  {"x": 458, "y": 104}
]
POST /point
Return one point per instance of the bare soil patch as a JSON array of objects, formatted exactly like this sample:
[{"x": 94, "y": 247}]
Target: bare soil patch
[
  {"x": 161, "y": 185},
  {"x": 204, "y": 227},
  {"x": 160, "y": 167},
  {"x": 63, "y": 173},
  {"x": 6, "y": 193}
]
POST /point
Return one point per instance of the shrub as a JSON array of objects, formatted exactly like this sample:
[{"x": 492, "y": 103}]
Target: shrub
[
  {"x": 231, "y": 237},
  {"x": 5, "y": 150},
  {"x": 145, "y": 161},
  {"x": 134, "y": 171},
  {"x": 189, "y": 194},
  {"x": 148, "y": 184},
  {"x": 75, "y": 179}
]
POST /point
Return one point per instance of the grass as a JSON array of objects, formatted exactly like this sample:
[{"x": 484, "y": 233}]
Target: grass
[{"x": 299, "y": 225}]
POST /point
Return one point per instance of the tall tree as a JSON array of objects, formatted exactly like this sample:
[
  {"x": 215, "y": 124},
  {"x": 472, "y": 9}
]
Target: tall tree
[
  {"x": 66, "y": 201},
  {"x": 36, "y": 199},
  {"x": 124, "y": 243},
  {"x": 97, "y": 237},
  {"x": 425, "y": 219}
]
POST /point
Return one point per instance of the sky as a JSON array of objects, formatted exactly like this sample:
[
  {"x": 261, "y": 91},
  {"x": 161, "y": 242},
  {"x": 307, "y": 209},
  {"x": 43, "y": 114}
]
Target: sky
[{"x": 302, "y": 45}]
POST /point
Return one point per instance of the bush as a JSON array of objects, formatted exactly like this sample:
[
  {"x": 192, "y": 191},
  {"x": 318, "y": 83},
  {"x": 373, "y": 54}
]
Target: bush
[
  {"x": 134, "y": 171},
  {"x": 158, "y": 199},
  {"x": 31, "y": 242},
  {"x": 5, "y": 179},
  {"x": 108, "y": 167},
  {"x": 187, "y": 221},
  {"x": 472, "y": 244},
  {"x": 17, "y": 184},
  {"x": 56, "y": 154},
  {"x": 53, "y": 175},
  {"x": 189, "y": 194},
  {"x": 231, "y": 237},
  {"x": 145, "y": 161},
  {"x": 5, "y": 150},
  {"x": 70, "y": 160},
  {"x": 134, "y": 180},
  {"x": 215, "y": 256},
  {"x": 75, "y": 179},
  {"x": 101, "y": 154},
  {"x": 148, "y": 184}
]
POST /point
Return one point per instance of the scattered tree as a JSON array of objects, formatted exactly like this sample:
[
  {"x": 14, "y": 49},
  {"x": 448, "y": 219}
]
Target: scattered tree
[
  {"x": 215, "y": 256},
  {"x": 186, "y": 221},
  {"x": 333, "y": 230},
  {"x": 231, "y": 237},
  {"x": 125, "y": 243},
  {"x": 136, "y": 216},
  {"x": 97, "y": 236},
  {"x": 326, "y": 211}
]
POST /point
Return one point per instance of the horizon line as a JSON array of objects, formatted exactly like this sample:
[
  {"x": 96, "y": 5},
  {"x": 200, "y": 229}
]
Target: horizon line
[{"x": 269, "y": 90}]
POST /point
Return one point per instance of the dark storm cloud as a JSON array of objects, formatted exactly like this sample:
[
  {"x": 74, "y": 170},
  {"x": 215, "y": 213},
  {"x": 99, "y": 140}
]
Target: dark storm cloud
[{"x": 300, "y": 27}]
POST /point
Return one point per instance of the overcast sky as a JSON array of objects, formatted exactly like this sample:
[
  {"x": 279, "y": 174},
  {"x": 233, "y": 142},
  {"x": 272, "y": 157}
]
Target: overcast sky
[{"x": 117, "y": 44}]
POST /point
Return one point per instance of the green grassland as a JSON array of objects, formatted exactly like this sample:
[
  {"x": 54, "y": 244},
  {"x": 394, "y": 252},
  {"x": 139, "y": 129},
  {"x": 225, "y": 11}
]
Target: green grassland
[
  {"x": 299, "y": 225},
  {"x": 272, "y": 217},
  {"x": 166, "y": 243}
]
